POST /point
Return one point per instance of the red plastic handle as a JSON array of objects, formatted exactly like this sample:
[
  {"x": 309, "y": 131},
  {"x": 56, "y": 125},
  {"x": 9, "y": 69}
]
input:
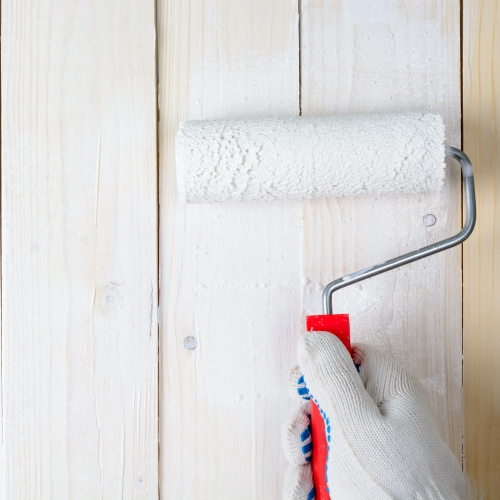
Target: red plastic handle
[{"x": 338, "y": 324}]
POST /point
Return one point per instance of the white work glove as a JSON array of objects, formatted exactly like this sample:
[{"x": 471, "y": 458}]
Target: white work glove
[{"x": 383, "y": 441}]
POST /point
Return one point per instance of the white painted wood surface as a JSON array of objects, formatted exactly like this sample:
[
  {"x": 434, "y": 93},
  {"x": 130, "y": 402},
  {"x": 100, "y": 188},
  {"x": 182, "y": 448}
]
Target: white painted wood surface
[
  {"x": 230, "y": 273},
  {"x": 79, "y": 218},
  {"x": 384, "y": 55},
  {"x": 79, "y": 223}
]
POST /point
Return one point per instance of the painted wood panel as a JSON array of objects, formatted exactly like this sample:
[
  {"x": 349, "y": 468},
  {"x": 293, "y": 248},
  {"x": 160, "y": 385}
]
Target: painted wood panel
[
  {"x": 79, "y": 263},
  {"x": 481, "y": 115},
  {"x": 230, "y": 273},
  {"x": 377, "y": 56}
]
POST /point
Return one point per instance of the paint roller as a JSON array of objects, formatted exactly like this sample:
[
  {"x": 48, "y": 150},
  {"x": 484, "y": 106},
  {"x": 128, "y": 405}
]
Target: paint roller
[{"x": 308, "y": 157}]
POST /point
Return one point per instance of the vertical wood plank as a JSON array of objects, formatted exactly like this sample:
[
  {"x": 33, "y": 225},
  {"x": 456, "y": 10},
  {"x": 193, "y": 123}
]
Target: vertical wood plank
[
  {"x": 230, "y": 274},
  {"x": 481, "y": 109},
  {"x": 388, "y": 55},
  {"x": 79, "y": 261}
]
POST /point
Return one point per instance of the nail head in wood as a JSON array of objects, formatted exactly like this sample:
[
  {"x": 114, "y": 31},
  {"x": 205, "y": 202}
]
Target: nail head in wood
[
  {"x": 429, "y": 220},
  {"x": 190, "y": 343}
]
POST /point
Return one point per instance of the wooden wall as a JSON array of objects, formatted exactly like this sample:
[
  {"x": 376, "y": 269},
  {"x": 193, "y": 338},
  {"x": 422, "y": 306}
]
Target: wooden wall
[
  {"x": 79, "y": 250},
  {"x": 92, "y": 93},
  {"x": 481, "y": 139}
]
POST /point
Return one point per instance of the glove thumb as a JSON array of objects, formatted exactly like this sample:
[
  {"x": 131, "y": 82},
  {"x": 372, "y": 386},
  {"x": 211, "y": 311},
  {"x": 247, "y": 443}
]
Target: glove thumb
[{"x": 333, "y": 381}]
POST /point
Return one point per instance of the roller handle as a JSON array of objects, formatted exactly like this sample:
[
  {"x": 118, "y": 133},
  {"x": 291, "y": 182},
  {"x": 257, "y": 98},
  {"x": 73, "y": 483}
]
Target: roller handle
[{"x": 338, "y": 324}]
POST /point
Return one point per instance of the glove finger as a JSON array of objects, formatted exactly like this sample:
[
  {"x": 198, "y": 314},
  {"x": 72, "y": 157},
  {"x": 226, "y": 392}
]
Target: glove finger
[
  {"x": 298, "y": 483},
  {"x": 393, "y": 388},
  {"x": 333, "y": 381},
  {"x": 297, "y": 445},
  {"x": 296, "y": 384}
]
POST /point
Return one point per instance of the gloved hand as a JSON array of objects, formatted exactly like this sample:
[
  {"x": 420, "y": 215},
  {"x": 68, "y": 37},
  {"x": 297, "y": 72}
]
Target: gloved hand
[{"x": 383, "y": 441}]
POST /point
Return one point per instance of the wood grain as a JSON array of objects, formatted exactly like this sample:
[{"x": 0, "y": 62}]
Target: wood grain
[
  {"x": 481, "y": 115},
  {"x": 79, "y": 256},
  {"x": 230, "y": 273},
  {"x": 387, "y": 55}
]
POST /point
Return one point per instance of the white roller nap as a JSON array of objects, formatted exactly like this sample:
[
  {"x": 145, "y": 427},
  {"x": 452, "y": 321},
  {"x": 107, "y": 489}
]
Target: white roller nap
[{"x": 308, "y": 157}]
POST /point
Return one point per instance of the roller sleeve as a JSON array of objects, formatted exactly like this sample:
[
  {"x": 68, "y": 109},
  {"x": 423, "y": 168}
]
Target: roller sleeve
[{"x": 310, "y": 157}]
